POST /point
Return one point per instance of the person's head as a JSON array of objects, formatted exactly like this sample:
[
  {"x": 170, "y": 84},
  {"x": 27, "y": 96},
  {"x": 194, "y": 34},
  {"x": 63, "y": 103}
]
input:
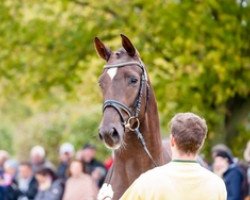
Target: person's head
[
  {"x": 76, "y": 168},
  {"x": 25, "y": 170},
  {"x": 225, "y": 156},
  {"x": 66, "y": 152},
  {"x": 10, "y": 167},
  {"x": 188, "y": 133},
  {"x": 88, "y": 153},
  {"x": 45, "y": 174},
  {"x": 4, "y": 155},
  {"x": 222, "y": 160},
  {"x": 220, "y": 147},
  {"x": 37, "y": 155}
]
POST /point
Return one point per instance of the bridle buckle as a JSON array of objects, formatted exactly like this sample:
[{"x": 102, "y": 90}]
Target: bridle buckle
[{"x": 132, "y": 123}]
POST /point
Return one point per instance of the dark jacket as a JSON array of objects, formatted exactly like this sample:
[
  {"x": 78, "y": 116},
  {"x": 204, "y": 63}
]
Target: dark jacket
[
  {"x": 13, "y": 193},
  {"x": 2, "y": 193},
  {"x": 32, "y": 190},
  {"x": 62, "y": 170},
  {"x": 233, "y": 179},
  {"x": 55, "y": 192}
]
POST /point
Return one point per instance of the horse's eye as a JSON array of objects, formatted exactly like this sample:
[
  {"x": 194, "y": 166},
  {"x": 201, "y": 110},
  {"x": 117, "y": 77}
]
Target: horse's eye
[{"x": 133, "y": 80}]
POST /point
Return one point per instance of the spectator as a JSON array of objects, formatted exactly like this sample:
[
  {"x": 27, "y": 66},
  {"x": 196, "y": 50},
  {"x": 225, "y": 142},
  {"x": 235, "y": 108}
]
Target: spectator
[
  {"x": 26, "y": 183},
  {"x": 3, "y": 157},
  {"x": 79, "y": 185},
  {"x": 241, "y": 165},
  {"x": 38, "y": 159},
  {"x": 183, "y": 177},
  {"x": 50, "y": 188},
  {"x": 10, "y": 171},
  {"x": 7, "y": 183},
  {"x": 66, "y": 154},
  {"x": 88, "y": 154},
  {"x": 231, "y": 174}
]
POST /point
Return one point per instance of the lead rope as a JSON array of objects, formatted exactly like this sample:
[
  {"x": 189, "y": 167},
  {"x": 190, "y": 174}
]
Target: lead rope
[
  {"x": 110, "y": 173},
  {"x": 141, "y": 139}
]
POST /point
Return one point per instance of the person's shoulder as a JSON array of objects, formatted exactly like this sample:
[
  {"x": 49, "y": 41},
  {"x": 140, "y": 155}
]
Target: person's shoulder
[
  {"x": 154, "y": 173},
  {"x": 208, "y": 173},
  {"x": 212, "y": 177},
  {"x": 236, "y": 169}
]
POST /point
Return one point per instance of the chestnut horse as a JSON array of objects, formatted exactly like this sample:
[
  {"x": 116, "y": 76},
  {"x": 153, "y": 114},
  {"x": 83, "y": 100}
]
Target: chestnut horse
[{"x": 130, "y": 123}]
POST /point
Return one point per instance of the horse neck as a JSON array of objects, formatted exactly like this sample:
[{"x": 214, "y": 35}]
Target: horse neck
[
  {"x": 150, "y": 130},
  {"x": 150, "y": 127},
  {"x": 131, "y": 161}
]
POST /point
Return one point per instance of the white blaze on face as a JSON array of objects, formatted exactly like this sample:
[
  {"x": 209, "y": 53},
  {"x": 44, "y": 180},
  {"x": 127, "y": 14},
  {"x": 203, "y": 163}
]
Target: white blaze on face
[{"x": 112, "y": 72}]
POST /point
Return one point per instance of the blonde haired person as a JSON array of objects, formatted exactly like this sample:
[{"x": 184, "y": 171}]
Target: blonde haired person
[{"x": 183, "y": 177}]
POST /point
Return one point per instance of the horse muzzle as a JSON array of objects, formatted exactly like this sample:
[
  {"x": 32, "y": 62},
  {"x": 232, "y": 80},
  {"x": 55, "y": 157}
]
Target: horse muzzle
[{"x": 111, "y": 135}]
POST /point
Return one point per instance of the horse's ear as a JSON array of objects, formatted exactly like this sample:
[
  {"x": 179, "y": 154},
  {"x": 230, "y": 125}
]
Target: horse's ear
[
  {"x": 101, "y": 49},
  {"x": 128, "y": 46}
]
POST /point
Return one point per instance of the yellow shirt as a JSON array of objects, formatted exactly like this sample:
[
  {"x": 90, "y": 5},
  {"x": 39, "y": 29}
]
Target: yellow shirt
[{"x": 177, "y": 181}]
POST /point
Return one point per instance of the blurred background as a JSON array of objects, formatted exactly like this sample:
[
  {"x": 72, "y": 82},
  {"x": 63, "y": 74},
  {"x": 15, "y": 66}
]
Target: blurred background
[{"x": 197, "y": 54}]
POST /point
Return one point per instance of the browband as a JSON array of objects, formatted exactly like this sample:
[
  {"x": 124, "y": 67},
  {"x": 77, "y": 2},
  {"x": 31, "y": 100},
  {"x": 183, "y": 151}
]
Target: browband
[{"x": 138, "y": 64}]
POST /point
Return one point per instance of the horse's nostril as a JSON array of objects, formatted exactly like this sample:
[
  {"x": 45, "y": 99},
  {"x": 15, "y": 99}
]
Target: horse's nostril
[{"x": 114, "y": 133}]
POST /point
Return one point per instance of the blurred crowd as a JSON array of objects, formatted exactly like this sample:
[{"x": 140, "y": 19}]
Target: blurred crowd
[
  {"x": 234, "y": 172},
  {"x": 79, "y": 175}
]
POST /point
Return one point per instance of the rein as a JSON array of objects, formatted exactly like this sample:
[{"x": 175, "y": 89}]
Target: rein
[{"x": 120, "y": 108}]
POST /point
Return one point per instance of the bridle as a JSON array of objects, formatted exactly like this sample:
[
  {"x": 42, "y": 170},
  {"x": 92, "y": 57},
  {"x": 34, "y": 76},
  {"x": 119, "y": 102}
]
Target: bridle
[
  {"x": 120, "y": 107},
  {"x": 132, "y": 116}
]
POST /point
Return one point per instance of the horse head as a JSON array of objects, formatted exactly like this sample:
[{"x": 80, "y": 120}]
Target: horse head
[{"x": 123, "y": 85}]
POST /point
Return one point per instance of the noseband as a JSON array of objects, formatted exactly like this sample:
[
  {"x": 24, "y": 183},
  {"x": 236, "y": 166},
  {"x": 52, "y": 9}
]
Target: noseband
[{"x": 120, "y": 107}]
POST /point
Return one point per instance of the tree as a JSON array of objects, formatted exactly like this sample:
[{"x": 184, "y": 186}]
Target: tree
[{"x": 197, "y": 53}]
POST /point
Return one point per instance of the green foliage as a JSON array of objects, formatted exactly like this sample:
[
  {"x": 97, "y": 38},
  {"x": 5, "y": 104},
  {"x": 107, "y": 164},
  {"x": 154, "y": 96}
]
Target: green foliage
[
  {"x": 51, "y": 129},
  {"x": 241, "y": 134},
  {"x": 6, "y": 139},
  {"x": 197, "y": 53}
]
